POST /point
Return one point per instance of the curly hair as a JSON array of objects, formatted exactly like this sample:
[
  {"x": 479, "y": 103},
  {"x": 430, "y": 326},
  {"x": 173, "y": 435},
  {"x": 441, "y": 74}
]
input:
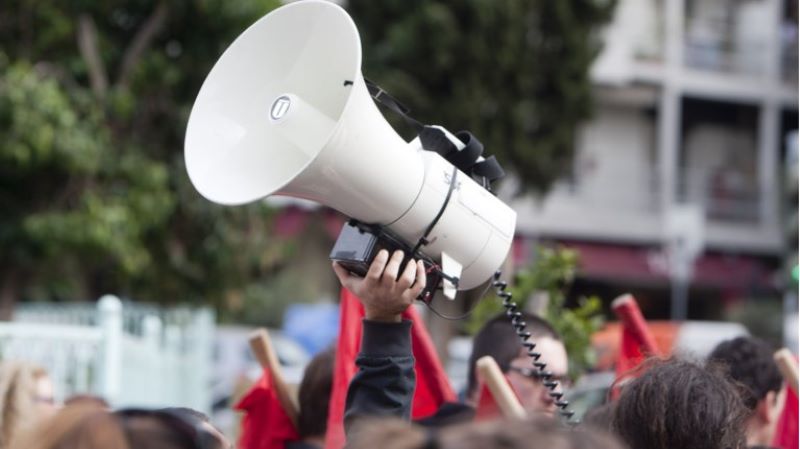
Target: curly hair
[
  {"x": 677, "y": 404},
  {"x": 749, "y": 362}
]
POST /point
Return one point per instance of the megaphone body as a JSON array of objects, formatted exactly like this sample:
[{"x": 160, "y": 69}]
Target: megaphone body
[{"x": 286, "y": 111}]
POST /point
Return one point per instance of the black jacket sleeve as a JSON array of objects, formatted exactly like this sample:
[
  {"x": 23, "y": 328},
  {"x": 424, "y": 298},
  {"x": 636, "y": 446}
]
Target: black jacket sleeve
[{"x": 385, "y": 381}]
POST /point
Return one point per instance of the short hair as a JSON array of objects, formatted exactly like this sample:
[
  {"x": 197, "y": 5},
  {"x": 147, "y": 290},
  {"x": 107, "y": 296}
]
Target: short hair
[
  {"x": 677, "y": 404},
  {"x": 749, "y": 361},
  {"x": 498, "y": 339},
  {"x": 196, "y": 417},
  {"x": 315, "y": 393}
]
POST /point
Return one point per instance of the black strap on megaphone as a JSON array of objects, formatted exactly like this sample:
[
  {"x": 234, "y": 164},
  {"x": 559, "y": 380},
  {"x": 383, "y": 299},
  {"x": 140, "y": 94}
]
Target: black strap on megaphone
[
  {"x": 383, "y": 97},
  {"x": 433, "y": 139},
  {"x": 466, "y": 159}
]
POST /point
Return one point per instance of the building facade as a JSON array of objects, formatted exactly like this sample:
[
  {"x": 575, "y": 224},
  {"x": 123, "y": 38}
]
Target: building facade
[{"x": 694, "y": 103}]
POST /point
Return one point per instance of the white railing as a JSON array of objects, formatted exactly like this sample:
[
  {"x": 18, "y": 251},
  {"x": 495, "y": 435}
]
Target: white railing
[{"x": 132, "y": 355}]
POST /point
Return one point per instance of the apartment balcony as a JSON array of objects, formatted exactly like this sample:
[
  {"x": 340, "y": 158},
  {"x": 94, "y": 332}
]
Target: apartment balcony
[
  {"x": 616, "y": 192},
  {"x": 715, "y": 49}
]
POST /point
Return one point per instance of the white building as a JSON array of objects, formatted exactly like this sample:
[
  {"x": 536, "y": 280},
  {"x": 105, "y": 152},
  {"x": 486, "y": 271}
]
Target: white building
[{"x": 693, "y": 102}]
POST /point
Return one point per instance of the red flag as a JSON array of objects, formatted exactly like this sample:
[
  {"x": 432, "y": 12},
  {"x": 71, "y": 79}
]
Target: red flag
[
  {"x": 637, "y": 340},
  {"x": 488, "y": 408},
  {"x": 432, "y": 388},
  {"x": 265, "y": 425},
  {"x": 786, "y": 432}
]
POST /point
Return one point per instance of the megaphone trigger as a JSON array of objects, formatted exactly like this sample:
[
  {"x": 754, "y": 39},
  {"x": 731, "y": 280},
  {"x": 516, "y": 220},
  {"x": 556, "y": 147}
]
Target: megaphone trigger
[{"x": 359, "y": 243}]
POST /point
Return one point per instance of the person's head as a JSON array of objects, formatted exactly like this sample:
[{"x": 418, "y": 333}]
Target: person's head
[
  {"x": 200, "y": 420},
  {"x": 749, "y": 361},
  {"x": 177, "y": 428},
  {"x": 498, "y": 339},
  {"x": 26, "y": 397},
  {"x": 87, "y": 425},
  {"x": 677, "y": 404},
  {"x": 314, "y": 395},
  {"x": 82, "y": 425},
  {"x": 501, "y": 434}
]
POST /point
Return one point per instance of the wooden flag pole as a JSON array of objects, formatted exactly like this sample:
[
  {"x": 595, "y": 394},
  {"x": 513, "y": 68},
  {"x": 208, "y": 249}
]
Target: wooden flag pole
[
  {"x": 503, "y": 395},
  {"x": 788, "y": 367},
  {"x": 262, "y": 348}
]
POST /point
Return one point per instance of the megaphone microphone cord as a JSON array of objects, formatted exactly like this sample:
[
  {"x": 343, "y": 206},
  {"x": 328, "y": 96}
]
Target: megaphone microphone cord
[{"x": 513, "y": 313}]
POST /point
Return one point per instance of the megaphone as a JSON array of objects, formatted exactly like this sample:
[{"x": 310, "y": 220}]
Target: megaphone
[{"x": 286, "y": 111}]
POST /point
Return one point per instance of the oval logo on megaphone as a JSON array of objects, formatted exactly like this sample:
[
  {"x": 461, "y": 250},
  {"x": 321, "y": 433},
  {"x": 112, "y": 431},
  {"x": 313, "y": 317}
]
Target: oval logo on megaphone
[{"x": 280, "y": 107}]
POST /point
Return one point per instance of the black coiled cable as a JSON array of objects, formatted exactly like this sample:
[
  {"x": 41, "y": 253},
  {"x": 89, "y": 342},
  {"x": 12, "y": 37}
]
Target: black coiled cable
[{"x": 519, "y": 328}]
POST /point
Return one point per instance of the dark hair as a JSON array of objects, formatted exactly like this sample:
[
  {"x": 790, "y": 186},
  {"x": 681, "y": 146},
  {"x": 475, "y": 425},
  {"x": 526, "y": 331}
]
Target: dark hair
[
  {"x": 498, "y": 339},
  {"x": 195, "y": 417},
  {"x": 506, "y": 434},
  {"x": 750, "y": 362},
  {"x": 314, "y": 395},
  {"x": 538, "y": 431},
  {"x": 87, "y": 425},
  {"x": 165, "y": 429},
  {"x": 676, "y": 404},
  {"x": 599, "y": 417}
]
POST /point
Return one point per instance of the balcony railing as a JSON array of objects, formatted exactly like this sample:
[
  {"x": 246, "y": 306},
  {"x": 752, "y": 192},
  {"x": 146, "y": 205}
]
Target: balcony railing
[
  {"x": 728, "y": 37},
  {"x": 726, "y": 196}
]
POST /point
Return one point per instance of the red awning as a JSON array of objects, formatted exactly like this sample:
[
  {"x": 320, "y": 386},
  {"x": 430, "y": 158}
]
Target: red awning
[{"x": 648, "y": 265}]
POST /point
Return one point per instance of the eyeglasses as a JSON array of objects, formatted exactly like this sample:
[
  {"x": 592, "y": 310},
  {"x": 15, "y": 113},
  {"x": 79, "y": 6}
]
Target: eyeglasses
[
  {"x": 563, "y": 379},
  {"x": 193, "y": 435}
]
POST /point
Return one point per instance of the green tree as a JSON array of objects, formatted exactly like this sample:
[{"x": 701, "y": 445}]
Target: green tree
[
  {"x": 514, "y": 72},
  {"x": 94, "y": 99}
]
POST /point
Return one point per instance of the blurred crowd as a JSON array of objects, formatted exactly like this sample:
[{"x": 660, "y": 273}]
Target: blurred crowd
[{"x": 732, "y": 400}]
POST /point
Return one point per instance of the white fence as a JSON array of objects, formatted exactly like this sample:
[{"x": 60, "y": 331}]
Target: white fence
[{"x": 131, "y": 355}]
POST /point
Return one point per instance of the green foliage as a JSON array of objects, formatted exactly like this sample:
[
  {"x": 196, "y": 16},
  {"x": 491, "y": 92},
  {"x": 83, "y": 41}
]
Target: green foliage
[
  {"x": 94, "y": 98},
  {"x": 762, "y": 316},
  {"x": 549, "y": 277},
  {"x": 514, "y": 72}
]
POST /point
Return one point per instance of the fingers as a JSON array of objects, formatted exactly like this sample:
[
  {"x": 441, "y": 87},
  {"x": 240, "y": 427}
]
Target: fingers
[
  {"x": 341, "y": 272},
  {"x": 407, "y": 278},
  {"x": 344, "y": 276},
  {"x": 377, "y": 267},
  {"x": 390, "y": 273},
  {"x": 421, "y": 280}
]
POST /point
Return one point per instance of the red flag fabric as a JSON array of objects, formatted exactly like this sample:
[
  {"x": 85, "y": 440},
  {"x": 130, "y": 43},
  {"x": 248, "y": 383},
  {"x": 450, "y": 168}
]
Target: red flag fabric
[
  {"x": 432, "y": 389},
  {"x": 637, "y": 340},
  {"x": 630, "y": 356},
  {"x": 786, "y": 432},
  {"x": 265, "y": 425},
  {"x": 487, "y": 408}
]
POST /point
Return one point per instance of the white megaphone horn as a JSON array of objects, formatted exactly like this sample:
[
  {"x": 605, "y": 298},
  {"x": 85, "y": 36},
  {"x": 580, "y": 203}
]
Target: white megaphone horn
[{"x": 286, "y": 111}]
